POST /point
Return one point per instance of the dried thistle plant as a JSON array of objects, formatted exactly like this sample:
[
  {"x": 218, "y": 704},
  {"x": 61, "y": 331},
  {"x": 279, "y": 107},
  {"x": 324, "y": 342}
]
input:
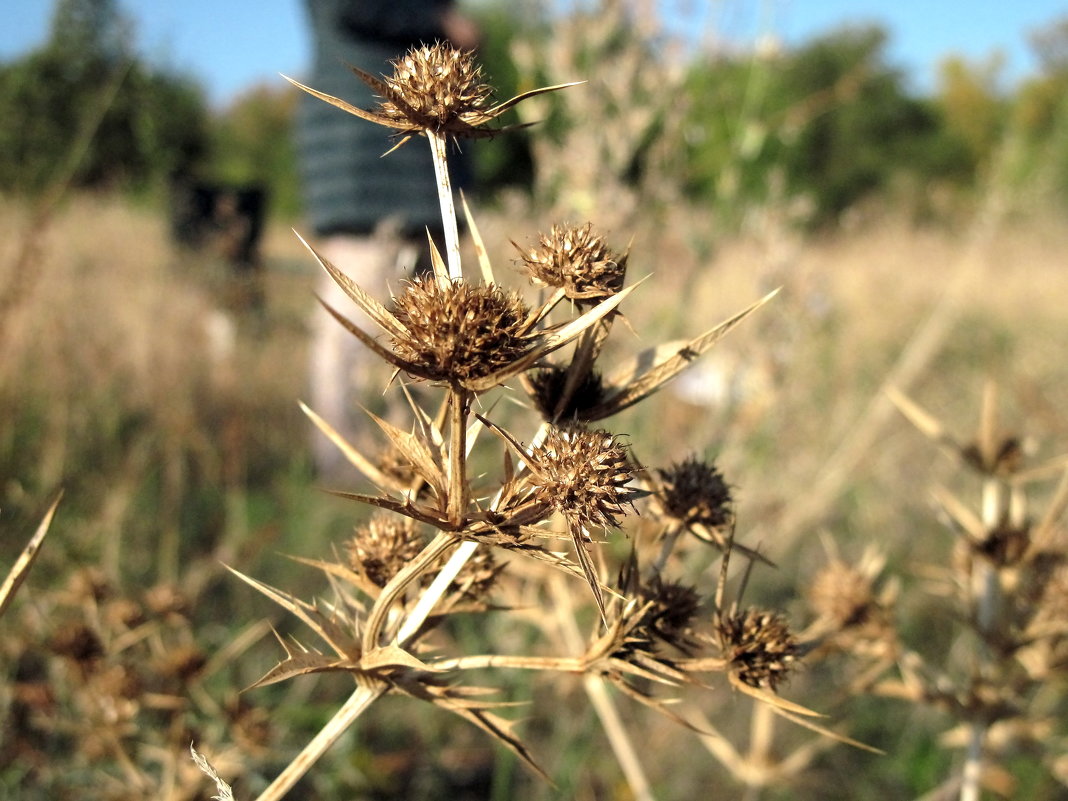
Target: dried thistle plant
[
  {"x": 447, "y": 539},
  {"x": 1006, "y": 582}
]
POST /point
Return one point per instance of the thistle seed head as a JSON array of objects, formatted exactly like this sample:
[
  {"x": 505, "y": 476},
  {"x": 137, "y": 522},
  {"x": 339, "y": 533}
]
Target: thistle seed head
[
  {"x": 841, "y": 594},
  {"x": 548, "y": 386},
  {"x": 439, "y": 89},
  {"x": 583, "y": 474},
  {"x": 381, "y": 548},
  {"x": 460, "y": 331},
  {"x": 182, "y": 663},
  {"x": 1006, "y": 544},
  {"x": 669, "y": 618},
  {"x": 577, "y": 260},
  {"x": 759, "y": 647},
  {"x": 695, "y": 492},
  {"x": 77, "y": 642},
  {"x": 1005, "y": 459}
]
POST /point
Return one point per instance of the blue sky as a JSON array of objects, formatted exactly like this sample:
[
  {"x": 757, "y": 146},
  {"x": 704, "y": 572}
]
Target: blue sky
[{"x": 232, "y": 44}]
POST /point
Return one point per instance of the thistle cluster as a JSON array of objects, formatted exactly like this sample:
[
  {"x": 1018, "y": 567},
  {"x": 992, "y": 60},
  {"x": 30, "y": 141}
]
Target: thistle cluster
[
  {"x": 448, "y": 539},
  {"x": 1006, "y": 586}
]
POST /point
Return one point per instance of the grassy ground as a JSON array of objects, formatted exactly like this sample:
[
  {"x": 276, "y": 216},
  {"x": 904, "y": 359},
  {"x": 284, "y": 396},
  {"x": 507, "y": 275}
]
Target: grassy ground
[{"x": 171, "y": 423}]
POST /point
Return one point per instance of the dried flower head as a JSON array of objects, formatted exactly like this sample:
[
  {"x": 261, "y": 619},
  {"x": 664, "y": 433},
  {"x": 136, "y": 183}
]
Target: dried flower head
[
  {"x": 1005, "y": 544},
  {"x": 695, "y": 492},
  {"x": 1002, "y": 458},
  {"x": 166, "y": 600},
  {"x": 584, "y": 474},
  {"x": 547, "y": 388},
  {"x": 381, "y": 548},
  {"x": 434, "y": 88},
  {"x": 759, "y": 648},
  {"x": 577, "y": 260},
  {"x": 77, "y": 642},
  {"x": 182, "y": 663},
  {"x": 459, "y": 332},
  {"x": 437, "y": 88},
  {"x": 671, "y": 611},
  {"x": 841, "y": 594}
]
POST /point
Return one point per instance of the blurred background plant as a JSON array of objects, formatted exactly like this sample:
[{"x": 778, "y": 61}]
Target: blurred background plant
[{"x": 171, "y": 421}]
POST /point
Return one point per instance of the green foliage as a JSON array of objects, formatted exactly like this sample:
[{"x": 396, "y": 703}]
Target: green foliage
[
  {"x": 504, "y": 160},
  {"x": 830, "y": 118},
  {"x": 252, "y": 142},
  {"x": 84, "y": 105},
  {"x": 972, "y": 107},
  {"x": 1040, "y": 112}
]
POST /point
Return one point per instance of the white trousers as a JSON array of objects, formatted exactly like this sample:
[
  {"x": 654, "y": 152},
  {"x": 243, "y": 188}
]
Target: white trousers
[{"x": 343, "y": 373}]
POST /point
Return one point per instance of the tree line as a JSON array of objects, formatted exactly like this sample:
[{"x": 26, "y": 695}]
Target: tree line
[{"x": 831, "y": 121}]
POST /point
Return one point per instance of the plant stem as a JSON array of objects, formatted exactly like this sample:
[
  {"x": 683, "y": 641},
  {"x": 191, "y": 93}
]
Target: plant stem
[
  {"x": 618, "y": 737},
  {"x": 560, "y": 664},
  {"x": 459, "y": 410},
  {"x": 986, "y": 597},
  {"x": 434, "y": 592},
  {"x": 376, "y": 620},
  {"x": 362, "y": 698},
  {"x": 438, "y": 147}
]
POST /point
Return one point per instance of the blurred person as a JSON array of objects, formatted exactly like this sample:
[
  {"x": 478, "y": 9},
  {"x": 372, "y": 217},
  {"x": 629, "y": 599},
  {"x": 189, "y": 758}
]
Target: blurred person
[{"x": 370, "y": 215}]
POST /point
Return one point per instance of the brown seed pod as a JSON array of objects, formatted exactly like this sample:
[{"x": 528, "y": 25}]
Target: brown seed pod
[
  {"x": 381, "y": 548},
  {"x": 758, "y": 645},
  {"x": 695, "y": 492},
  {"x": 437, "y": 88},
  {"x": 577, "y": 260},
  {"x": 671, "y": 613},
  {"x": 584, "y": 474},
  {"x": 547, "y": 386},
  {"x": 458, "y": 332},
  {"x": 841, "y": 594}
]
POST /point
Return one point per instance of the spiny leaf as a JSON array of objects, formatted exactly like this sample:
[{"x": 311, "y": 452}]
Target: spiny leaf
[
  {"x": 480, "y": 247},
  {"x": 452, "y": 699},
  {"x": 653, "y": 368},
  {"x": 500, "y": 108},
  {"x": 417, "y": 454},
  {"x": 375, "y": 310},
  {"x": 927, "y": 423},
  {"x": 22, "y": 565},
  {"x": 302, "y": 664},
  {"x": 357, "y": 459},
  {"x": 368, "y": 340},
  {"x": 341, "y": 104},
  {"x": 589, "y": 571},
  {"x": 400, "y": 507},
  {"x": 391, "y": 657},
  {"x": 961, "y": 514},
  {"x": 342, "y": 643}
]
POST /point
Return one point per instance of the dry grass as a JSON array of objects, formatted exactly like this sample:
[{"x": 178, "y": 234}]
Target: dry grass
[
  {"x": 113, "y": 334},
  {"x": 171, "y": 422}
]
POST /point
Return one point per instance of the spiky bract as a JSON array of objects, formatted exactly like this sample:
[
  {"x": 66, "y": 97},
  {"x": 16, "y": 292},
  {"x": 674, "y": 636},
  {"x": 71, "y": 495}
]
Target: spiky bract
[
  {"x": 578, "y": 260},
  {"x": 459, "y": 331},
  {"x": 759, "y": 647},
  {"x": 583, "y": 474}
]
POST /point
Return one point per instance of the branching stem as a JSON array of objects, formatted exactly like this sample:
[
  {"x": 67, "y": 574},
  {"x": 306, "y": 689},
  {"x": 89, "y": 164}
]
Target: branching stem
[{"x": 438, "y": 147}]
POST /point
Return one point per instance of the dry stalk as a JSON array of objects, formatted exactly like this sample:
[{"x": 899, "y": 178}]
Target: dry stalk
[{"x": 430, "y": 552}]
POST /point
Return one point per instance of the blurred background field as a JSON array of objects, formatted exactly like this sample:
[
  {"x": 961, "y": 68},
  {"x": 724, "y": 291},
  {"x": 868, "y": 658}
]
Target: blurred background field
[{"x": 918, "y": 240}]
